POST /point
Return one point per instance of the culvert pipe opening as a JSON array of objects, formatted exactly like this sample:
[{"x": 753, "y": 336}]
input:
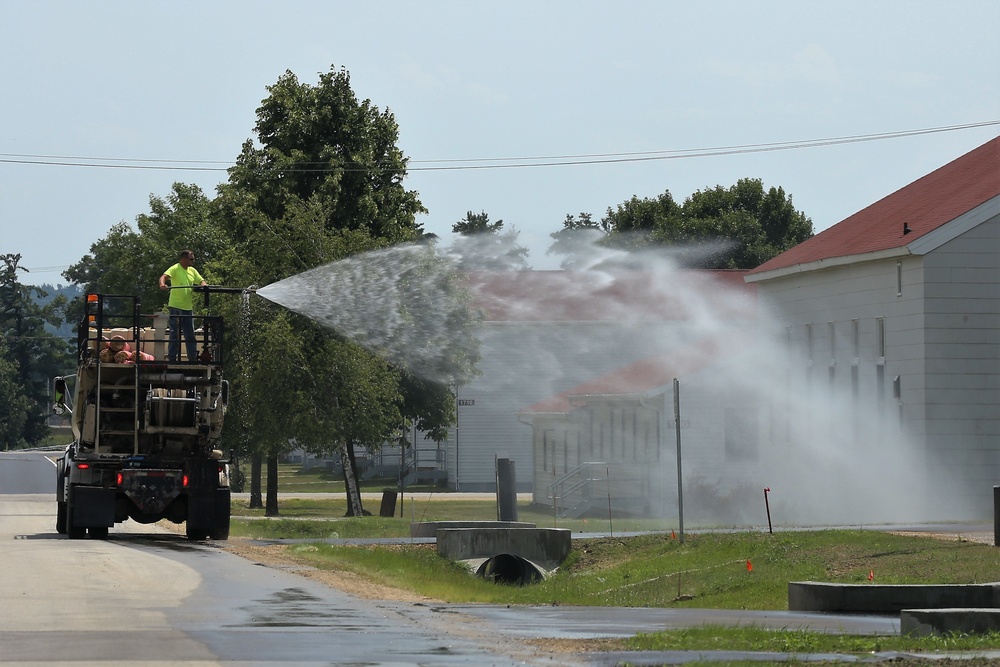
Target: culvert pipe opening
[{"x": 510, "y": 569}]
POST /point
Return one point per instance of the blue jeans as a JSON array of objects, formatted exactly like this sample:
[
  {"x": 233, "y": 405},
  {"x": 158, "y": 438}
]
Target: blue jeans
[{"x": 181, "y": 320}]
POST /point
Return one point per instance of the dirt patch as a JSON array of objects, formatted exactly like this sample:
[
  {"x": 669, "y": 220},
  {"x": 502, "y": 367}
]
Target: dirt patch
[
  {"x": 279, "y": 557},
  {"x": 577, "y": 645},
  {"x": 978, "y": 538}
]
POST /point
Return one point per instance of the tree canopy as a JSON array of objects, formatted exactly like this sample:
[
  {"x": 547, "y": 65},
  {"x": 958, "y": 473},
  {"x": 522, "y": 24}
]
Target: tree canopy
[
  {"x": 29, "y": 356},
  {"x": 483, "y": 245},
  {"x": 130, "y": 261},
  {"x": 322, "y": 182},
  {"x": 739, "y": 227},
  {"x": 326, "y": 155}
]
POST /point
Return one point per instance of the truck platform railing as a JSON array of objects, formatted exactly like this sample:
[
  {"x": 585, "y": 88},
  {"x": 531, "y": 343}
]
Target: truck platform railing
[{"x": 114, "y": 331}]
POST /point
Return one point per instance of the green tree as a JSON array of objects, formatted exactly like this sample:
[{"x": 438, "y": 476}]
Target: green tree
[
  {"x": 14, "y": 405},
  {"x": 35, "y": 354},
  {"x": 577, "y": 241},
  {"x": 323, "y": 181},
  {"x": 362, "y": 392},
  {"x": 477, "y": 223},
  {"x": 762, "y": 223},
  {"x": 483, "y": 245},
  {"x": 279, "y": 372},
  {"x": 130, "y": 261},
  {"x": 324, "y": 150},
  {"x": 739, "y": 227},
  {"x": 632, "y": 224}
]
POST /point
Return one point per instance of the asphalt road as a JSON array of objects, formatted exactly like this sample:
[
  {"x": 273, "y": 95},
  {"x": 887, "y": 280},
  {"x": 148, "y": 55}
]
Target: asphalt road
[{"x": 152, "y": 596}]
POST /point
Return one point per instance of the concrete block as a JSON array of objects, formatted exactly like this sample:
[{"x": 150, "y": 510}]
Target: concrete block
[
  {"x": 430, "y": 528},
  {"x": 546, "y": 547},
  {"x": 888, "y": 599},
  {"x": 925, "y": 622}
]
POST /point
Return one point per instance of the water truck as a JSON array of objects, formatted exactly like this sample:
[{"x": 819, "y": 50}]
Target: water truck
[{"x": 145, "y": 428}]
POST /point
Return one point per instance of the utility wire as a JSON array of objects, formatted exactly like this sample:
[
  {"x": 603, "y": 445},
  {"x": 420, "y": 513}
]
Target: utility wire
[
  {"x": 458, "y": 164},
  {"x": 455, "y": 164}
]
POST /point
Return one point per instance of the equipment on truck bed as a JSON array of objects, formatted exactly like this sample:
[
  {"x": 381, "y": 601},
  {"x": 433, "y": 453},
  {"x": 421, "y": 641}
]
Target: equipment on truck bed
[{"x": 145, "y": 429}]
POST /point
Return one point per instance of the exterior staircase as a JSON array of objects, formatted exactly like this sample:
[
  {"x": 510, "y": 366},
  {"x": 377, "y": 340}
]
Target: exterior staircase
[{"x": 595, "y": 487}]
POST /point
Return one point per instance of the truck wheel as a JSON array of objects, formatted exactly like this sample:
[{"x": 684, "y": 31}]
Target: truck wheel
[
  {"x": 220, "y": 531},
  {"x": 73, "y": 532},
  {"x": 98, "y": 532},
  {"x": 61, "y": 518},
  {"x": 196, "y": 534}
]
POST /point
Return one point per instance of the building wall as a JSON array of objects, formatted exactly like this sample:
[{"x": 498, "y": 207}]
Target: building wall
[
  {"x": 523, "y": 363},
  {"x": 961, "y": 388},
  {"x": 924, "y": 362},
  {"x": 846, "y": 327},
  {"x": 632, "y": 444}
]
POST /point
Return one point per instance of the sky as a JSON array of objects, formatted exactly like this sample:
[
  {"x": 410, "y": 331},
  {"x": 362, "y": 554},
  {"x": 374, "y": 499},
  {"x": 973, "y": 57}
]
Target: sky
[{"x": 526, "y": 110}]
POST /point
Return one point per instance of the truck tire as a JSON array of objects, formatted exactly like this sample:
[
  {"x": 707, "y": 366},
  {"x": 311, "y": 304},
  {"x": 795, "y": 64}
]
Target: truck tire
[
  {"x": 61, "y": 517},
  {"x": 73, "y": 532},
  {"x": 98, "y": 532},
  {"x": 196, "y": 534},
  {"x": 220, "y": 532}
]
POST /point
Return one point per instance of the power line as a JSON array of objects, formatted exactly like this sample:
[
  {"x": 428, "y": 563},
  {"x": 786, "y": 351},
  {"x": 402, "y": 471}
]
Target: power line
[
  {"x": 47, "y": 269},
  {"x": 457, "y": 164}
]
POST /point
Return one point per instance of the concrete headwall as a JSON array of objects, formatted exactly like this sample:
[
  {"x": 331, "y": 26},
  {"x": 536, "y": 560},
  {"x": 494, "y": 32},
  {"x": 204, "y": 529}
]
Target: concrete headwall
[
  {"x": 888, "y": 599},
  {"x": 926, "y": 622},
  {"x": 547, "y": 547},
  {"x": 431, "y": 528}
]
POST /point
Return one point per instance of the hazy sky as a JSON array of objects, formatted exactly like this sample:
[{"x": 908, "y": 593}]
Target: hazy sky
[{"x": 176, "y": 84}]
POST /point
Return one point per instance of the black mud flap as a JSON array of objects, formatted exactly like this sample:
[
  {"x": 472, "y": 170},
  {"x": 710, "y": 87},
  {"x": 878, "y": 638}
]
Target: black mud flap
[
  {"x": 93, "y": 507},
  {"x": 208, "y": 503},
  {"x": 209, "y": 512}
]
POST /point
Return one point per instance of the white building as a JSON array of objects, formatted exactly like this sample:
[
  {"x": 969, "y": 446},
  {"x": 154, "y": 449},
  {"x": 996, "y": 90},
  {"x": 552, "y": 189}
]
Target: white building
[{"x": 897, "y": 308}]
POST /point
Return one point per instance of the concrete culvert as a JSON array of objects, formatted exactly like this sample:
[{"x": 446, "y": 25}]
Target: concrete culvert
[{"x": 510, "y": 569}]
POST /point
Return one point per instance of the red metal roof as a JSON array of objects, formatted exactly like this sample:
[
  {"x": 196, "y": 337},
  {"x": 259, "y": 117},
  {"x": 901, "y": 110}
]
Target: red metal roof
[
  {"x": 595, "y": 296},
  {"x": 646, "y": 374},
  {"x": 923, "y": 206}
]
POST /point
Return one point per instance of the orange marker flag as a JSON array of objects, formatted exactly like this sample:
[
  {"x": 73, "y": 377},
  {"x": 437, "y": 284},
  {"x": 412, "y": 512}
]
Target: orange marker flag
[
  {"x": 673, "y": 535},
  {"x": 749, "y": 566},
  {"x": 871, "y": 574}
]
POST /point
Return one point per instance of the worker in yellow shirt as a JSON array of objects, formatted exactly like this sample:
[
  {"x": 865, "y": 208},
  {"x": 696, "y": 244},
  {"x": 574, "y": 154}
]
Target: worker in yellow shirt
[{"x": 182, "y": 277}]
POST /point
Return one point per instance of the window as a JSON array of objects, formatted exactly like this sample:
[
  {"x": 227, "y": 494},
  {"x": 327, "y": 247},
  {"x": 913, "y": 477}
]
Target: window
[
  {"x": 545, "y": 449},
  {"x": 809, "y": 353},
  {"x": 899, "y": 279},
  {"x": 856, "y": 340},
  {"x": 880, "y": 338},
  {"x": 830, "y": 331}
]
